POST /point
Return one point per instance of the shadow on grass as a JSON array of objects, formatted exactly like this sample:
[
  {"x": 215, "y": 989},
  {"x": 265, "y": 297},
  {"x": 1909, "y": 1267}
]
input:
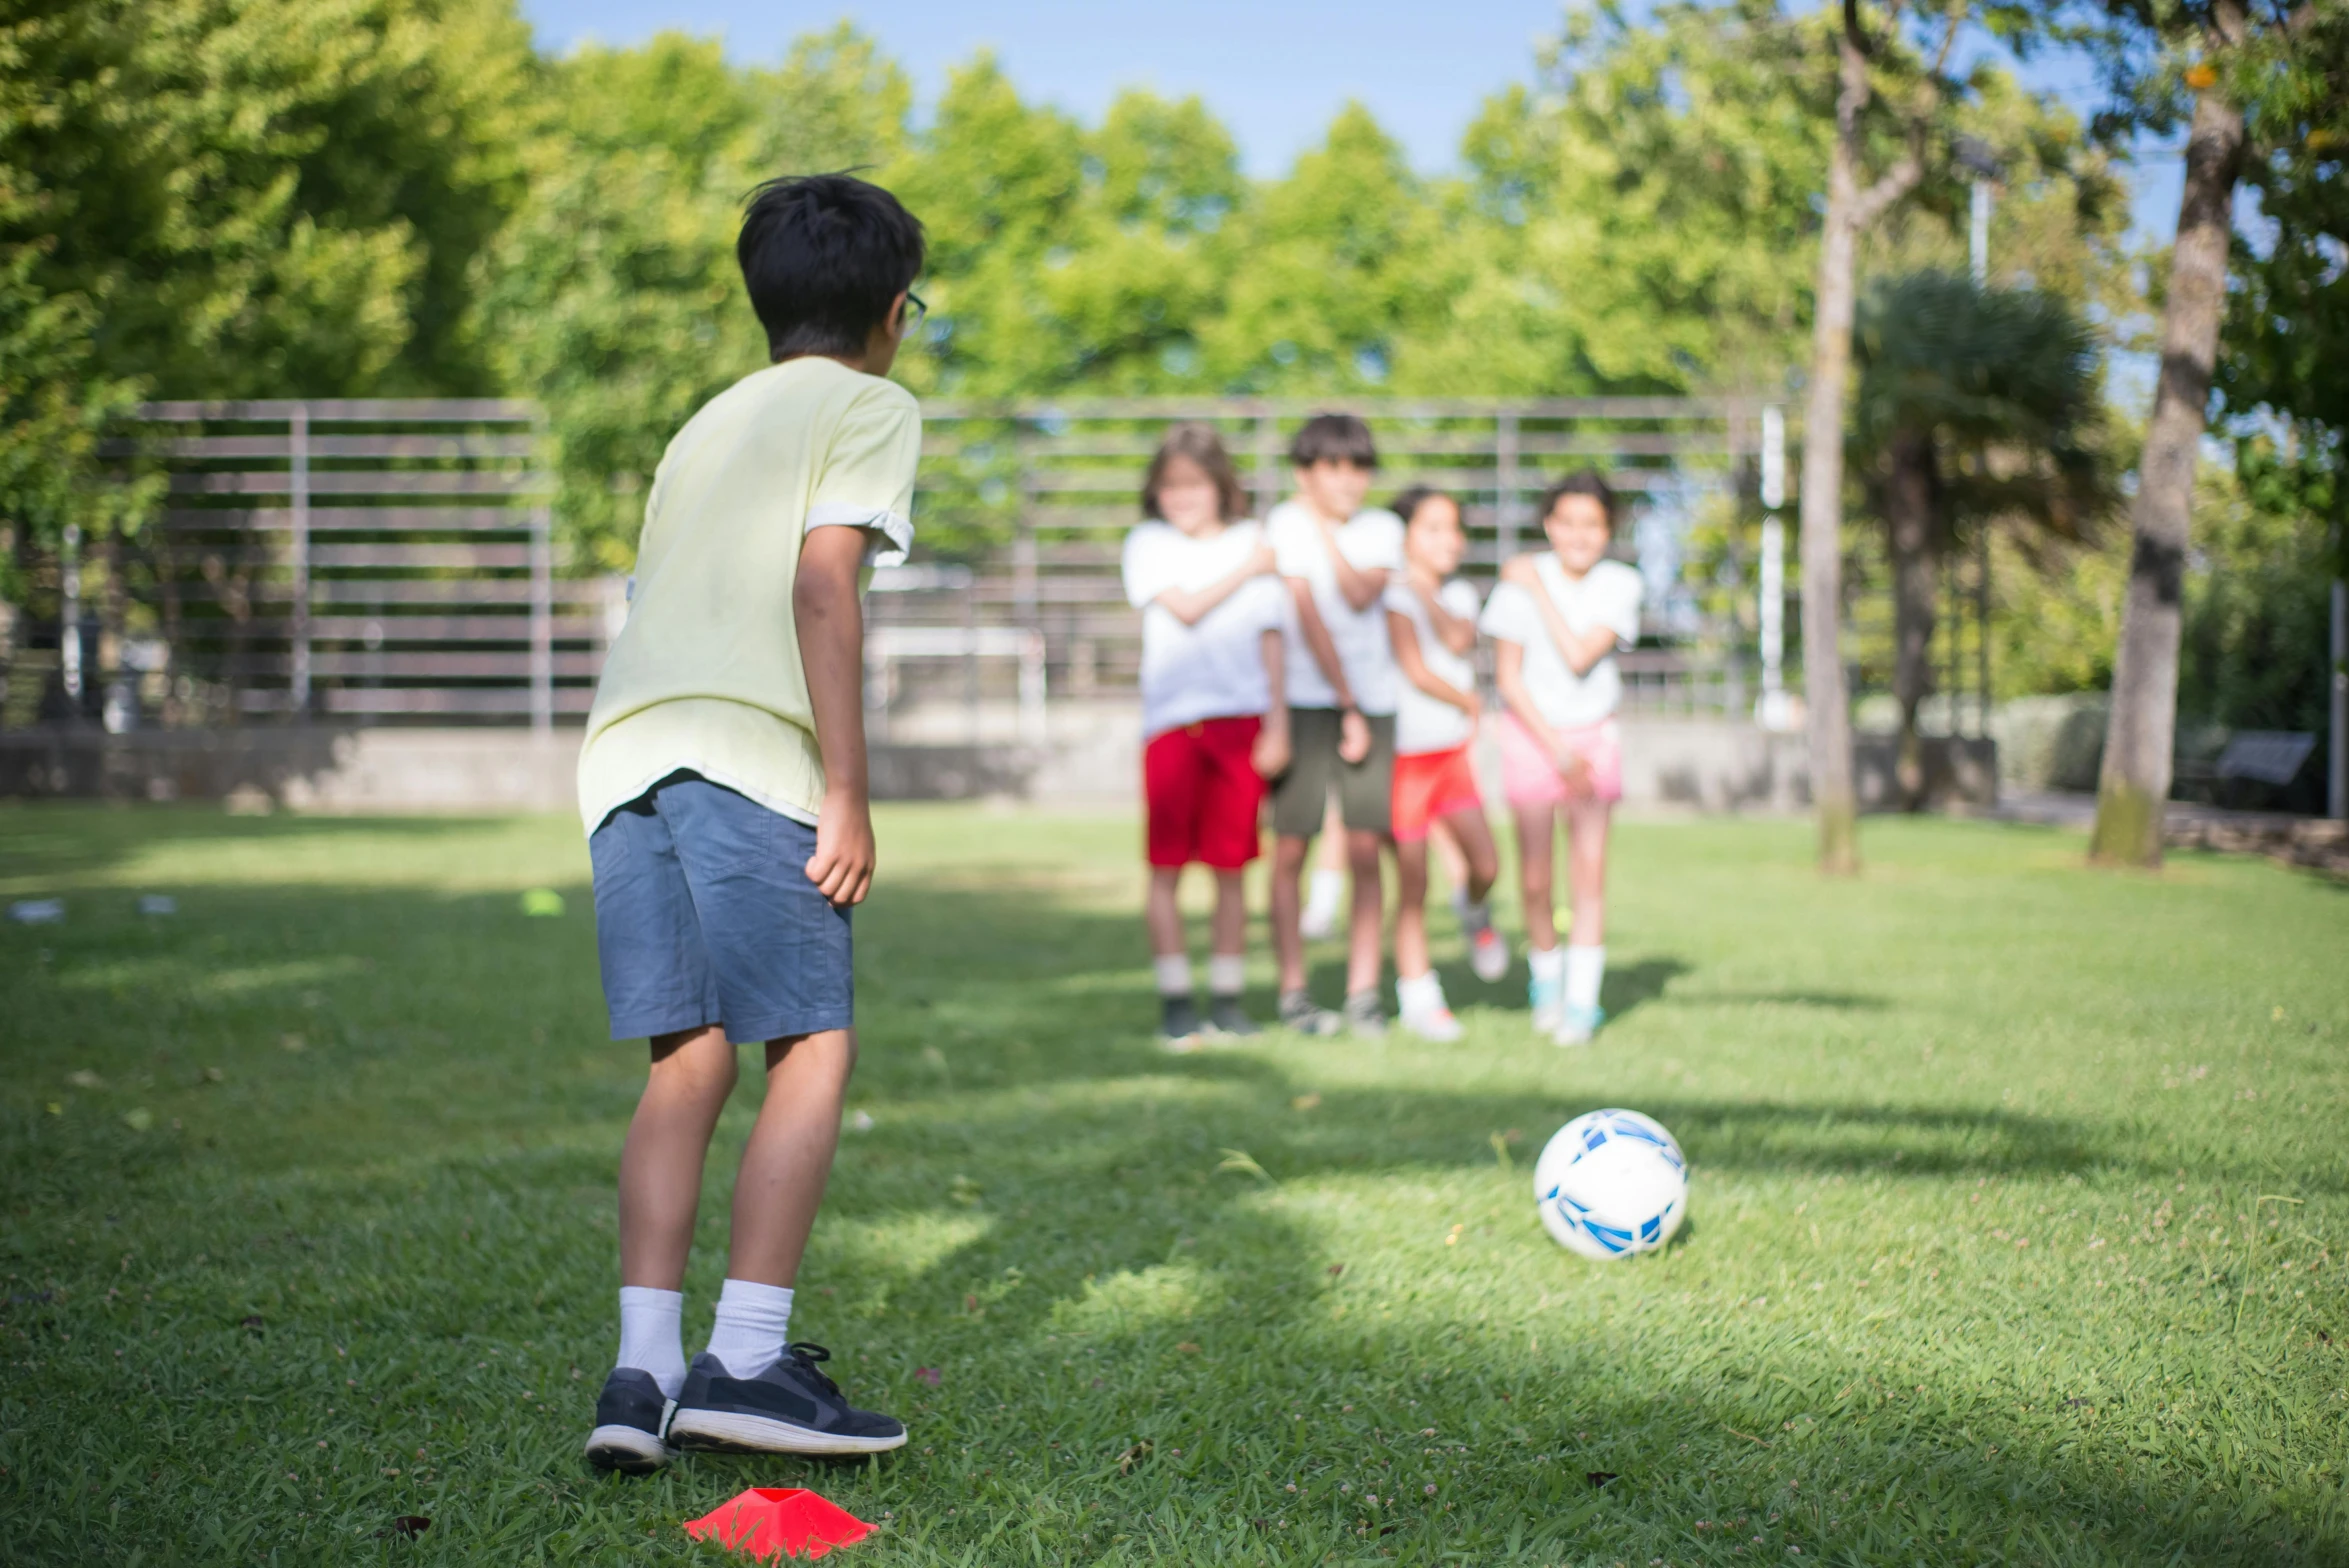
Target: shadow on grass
[{"x": 1042, "y": 1178}]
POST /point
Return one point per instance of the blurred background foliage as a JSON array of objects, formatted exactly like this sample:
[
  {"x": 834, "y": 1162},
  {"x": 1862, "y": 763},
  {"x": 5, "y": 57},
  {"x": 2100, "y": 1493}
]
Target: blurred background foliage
[{"x": 332, "y": 198}]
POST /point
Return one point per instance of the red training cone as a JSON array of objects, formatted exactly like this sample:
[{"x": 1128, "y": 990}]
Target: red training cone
[{"x": 778, "y": 1521}]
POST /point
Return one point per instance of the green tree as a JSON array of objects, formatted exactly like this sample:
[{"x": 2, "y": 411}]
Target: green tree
[{"x": 1974, "y": 407}]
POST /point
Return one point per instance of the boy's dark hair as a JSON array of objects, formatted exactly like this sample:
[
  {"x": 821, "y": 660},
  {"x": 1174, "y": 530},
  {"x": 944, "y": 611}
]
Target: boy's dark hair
[
  {"x": 823, "y": 255},
  {"x": 1203, "y": 446},
  {"x": 1586, "y": 481},
  {"x": 1334, "y": 438},
  {"x": 1407, "y": 505}
]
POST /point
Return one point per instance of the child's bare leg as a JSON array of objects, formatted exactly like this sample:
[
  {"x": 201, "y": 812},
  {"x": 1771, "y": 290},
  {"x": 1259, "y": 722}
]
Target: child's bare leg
[
  {"x": 1163, "y": 914},
  {"x": 1411, "y": 959},
  {"x": 1288, "y": 940},
  {"x": 1480, "y": 858},
  {"x": 1587, "y": 823},
  {"x": 1444, "y": 848},
  {"x": 1362, "y": 946},
  {"x": 1227, "y": 931},
  {"x": 789, "y": 1156},
  {"x": 1534, "y": 831},
  {"x": 668, "y": 1139}
]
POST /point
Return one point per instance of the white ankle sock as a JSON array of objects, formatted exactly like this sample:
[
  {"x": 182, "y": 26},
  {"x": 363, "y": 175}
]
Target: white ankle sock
[
  {"x": 1418, "y": 995},
  {"x": 1174, "y": 975},
  {"x": 753, "y": 1323},
  {"x": 1585, "y": 968},
  {"x": 1547, "y": 963},
  {"x": 650, "y": 1340},
  {"x": 1227, "y": 974}
]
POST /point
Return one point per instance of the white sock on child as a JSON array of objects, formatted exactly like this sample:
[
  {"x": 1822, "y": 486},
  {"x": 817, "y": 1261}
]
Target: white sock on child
[
  {"x": 1174, "y": 975},
  {"x": 650, "y": 1340},
  {"x": 1547, "y": 963},
  {"x": 753, "y": 1323},
  {"x": 1416, "y": 996},
  {"x": 1585, "y": 968},
  {"x": 1227, "y": 974}
]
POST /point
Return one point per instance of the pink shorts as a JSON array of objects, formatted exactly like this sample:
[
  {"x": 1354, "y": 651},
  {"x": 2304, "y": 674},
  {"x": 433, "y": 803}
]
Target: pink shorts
[{"x": 1530, "y": 776}]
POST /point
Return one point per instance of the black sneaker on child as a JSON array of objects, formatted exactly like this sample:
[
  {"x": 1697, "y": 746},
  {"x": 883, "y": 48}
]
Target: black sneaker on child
[
  {"x": 630, "y": 1415},
  {"x": 1179, "y": 1025},
  {"x": 1226, "y": 1017},
  {"x": 791, "y": 1408},
  {"x": 1366, "y": 1015},
  {"x": 1301, "y": 1013}
]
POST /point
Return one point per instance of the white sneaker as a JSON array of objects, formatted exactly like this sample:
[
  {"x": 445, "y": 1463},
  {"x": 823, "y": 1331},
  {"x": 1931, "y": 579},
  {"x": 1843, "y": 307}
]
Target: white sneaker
[
  {"x": 1488, "y": 955},
  {"x": 1434, "y": 1023}
]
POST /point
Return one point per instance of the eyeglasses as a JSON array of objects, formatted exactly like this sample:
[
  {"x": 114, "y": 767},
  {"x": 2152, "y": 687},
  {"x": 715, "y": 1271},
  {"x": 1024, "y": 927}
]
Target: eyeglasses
[{"x": 916, "y": 311}]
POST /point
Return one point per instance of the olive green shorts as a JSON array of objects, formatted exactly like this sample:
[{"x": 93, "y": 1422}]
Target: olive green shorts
[{"x": 1365, "y": 789}]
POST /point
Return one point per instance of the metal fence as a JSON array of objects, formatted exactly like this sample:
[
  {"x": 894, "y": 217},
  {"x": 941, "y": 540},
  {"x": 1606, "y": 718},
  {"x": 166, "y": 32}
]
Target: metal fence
[
  {"x": 396, "y": 560},
  {"x": 373, "y": 560}
]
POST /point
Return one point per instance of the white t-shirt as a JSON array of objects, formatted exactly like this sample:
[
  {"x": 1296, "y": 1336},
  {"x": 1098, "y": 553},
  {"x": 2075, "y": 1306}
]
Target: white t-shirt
[
  {"x": 1371, "y": 539},
  {"x": 1215, "y": 668},
  {"x": 1424, "y": 723},
  {"x": 1608, "y": 595}
]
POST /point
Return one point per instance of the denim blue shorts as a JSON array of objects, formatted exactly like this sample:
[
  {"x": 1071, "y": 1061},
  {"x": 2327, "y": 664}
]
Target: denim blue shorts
[{"x": 704, "y": 915}]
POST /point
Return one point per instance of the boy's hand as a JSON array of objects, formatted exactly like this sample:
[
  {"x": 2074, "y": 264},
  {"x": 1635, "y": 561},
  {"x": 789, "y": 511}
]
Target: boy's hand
[
  {"x": 1353, "y": 737},
  {"x": 842, "y": 866},
  {"x": 1270, "y": 754},
  {"x": 1518, "y": 569},
  {"x": 1264, "y": 561},
  {"x": 1474, "y": 708}
]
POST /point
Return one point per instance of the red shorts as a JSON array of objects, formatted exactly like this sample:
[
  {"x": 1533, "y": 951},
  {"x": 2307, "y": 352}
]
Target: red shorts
[
  {"x": 1432, "y": 784},
  {"x": 1204, "y": 793}
]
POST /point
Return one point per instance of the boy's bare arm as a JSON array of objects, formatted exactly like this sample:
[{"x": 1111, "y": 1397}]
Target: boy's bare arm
[
  {"x": 1413, "y": 663},
  {"x": 1315, "y": 631},
  {"x": 831, "y": 625},
  {"x": 1271, "y": 753},
  {"x": 1581, "y": 650}
]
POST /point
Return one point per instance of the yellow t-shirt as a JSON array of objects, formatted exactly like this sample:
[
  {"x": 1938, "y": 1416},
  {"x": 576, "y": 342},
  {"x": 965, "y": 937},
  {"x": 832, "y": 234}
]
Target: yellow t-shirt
[{"x": 706, "y": 673}]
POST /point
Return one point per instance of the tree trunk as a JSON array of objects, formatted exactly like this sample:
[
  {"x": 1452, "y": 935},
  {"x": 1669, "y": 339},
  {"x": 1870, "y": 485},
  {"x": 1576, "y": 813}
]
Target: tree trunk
[
  {"x": 1824, "y": 692},
  {"x": 1911, "y": 516},
  {"x": 2141, "y": 731}
]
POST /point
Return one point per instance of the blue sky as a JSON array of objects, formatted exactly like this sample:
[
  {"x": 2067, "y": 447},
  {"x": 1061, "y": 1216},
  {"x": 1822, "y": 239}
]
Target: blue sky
[{"x": 1274, "y": 71}]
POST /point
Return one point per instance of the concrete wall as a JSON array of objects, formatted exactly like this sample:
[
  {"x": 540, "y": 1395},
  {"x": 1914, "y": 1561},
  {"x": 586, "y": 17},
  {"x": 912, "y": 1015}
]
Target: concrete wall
[{"x": 1091, "y": 755}]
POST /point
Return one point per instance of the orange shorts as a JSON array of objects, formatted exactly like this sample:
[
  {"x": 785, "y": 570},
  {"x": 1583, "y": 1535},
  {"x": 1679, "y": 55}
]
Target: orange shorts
[{"x": 1432, "y": 784}]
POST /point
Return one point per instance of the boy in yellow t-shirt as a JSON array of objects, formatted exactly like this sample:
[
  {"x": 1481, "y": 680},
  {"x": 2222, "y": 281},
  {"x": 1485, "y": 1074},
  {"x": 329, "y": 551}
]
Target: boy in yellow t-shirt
[{"x": 723, "y": 787}]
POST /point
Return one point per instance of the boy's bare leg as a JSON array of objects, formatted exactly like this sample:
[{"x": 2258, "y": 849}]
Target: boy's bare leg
[
  {"x": 1411, "y": 958},
  {"x": 1587, "y": 822},
  {"x": 1444, "y": 849},
  {"x": 668, "y": 1139},
  {"x": 1535, "y": 827},
  {"x": 1288, "y": 940},
  {"x": 1362, "y": 947},
  {"x": 789, "y": 1157},
  {"x": 1163, "y": 914}
]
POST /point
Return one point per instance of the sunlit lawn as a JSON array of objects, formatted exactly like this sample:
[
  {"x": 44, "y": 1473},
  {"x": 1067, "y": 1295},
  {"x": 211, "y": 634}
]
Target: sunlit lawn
[{"x": 2017, "y": 1233}]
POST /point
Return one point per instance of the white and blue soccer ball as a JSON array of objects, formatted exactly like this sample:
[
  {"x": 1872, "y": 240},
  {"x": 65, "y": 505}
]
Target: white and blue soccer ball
[{"x": 1610, "y": 1183}]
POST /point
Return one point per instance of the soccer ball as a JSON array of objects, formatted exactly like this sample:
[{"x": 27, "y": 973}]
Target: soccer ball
[{"x": 1609, "y": 1183}]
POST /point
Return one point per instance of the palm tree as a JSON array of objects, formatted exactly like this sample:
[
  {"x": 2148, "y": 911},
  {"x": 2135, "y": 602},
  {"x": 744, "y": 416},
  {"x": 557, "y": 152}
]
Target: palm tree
[{"x": 1976, "y": 406}]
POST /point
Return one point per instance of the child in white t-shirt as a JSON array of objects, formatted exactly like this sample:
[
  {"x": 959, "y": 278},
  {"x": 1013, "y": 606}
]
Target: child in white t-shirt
[
  {"x": 1431, "y": 620},
  {"x": 1337, "y": 555},
  {"x": 1214, "y": 723},
  {"x": 1558, "y": 617}
]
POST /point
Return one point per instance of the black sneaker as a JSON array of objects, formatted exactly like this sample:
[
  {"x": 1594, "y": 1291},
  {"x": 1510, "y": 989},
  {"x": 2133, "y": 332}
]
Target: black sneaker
[
  {"x": 629, "y": 1417},
  {"x": 1366, "y": 1015},
  {"x": 1226, "y": 1017},
  {"x": 791, "y": 1408},
  {"x": 1179, "y": 1024},
  {"x": 1300, "y": 1012}
]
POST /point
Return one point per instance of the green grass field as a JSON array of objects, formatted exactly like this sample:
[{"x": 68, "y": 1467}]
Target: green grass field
[{"x": 2019, "y": 1217}]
